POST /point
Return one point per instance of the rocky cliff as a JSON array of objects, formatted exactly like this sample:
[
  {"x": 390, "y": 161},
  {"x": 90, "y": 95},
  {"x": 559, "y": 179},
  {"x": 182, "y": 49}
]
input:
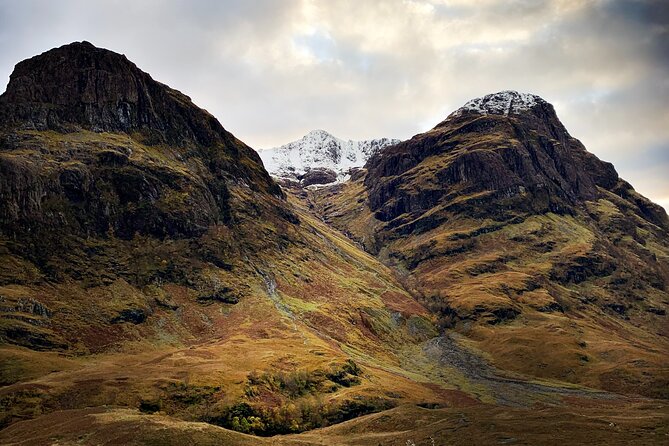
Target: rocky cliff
[
  {"x": 81, "y": 86},
  {"x": 114, "y": 150}
]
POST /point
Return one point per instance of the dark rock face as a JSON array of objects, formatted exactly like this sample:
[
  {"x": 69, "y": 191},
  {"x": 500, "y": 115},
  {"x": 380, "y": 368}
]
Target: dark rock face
[
  {"x": 579, "y": 269},
  {"x": 26, "y": 336},
  {"x": 132, "y": 315},
  {"x": 526, "y": 157},
  {"x": 99, "y": 90},
  {"x": 318, "y": 175},
  {"x": 225, "y": 295},
  {"x": 168, "y": 174},
  {"x": 93, "y": 197}
]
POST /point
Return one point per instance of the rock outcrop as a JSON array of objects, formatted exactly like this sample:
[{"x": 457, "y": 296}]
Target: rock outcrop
[
  {"x": 318, "y": 175},
  {"x": 82, "y": 86}
]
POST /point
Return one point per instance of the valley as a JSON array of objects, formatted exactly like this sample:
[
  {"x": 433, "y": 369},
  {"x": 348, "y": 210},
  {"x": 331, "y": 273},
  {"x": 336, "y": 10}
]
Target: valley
[{"x": 486, "y": 282}]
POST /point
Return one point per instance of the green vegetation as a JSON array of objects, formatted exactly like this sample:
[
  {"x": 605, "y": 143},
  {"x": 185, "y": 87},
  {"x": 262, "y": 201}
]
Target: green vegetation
[
  {"x": 302, "y": 382},
  {"x": 295, "y": 417}
]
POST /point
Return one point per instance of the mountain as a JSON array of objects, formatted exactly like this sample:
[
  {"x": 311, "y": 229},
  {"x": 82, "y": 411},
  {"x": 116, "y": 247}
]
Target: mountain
[
  {"x": 73, "y": 97},
  {"x": 148, "y": 261},
  {"x": 320, "y": 158},
  {"x": 521, "y": 241},
  {"x": 158, "y": 287}
]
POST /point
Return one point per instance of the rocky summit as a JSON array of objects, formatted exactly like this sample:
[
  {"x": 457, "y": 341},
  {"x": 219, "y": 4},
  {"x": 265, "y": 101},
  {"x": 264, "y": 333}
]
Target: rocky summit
[
  {"x": 81, "y": 86},
  {"x": 507, "y": 147},
  {"x": 488, "y": 281}
]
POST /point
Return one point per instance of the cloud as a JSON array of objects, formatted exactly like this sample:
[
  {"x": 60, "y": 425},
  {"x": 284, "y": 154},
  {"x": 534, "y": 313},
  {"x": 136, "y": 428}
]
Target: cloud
[{"x": 273, "y": 70}]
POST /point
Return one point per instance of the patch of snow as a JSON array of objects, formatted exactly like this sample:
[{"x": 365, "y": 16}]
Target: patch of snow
[
  {"x": 502, "y": 103},
  {"x": 319, "y": 149}
]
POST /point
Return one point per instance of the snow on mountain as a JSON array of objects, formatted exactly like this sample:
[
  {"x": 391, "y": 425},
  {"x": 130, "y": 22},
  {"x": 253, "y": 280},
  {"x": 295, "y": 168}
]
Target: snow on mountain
[
  {"x": 320, "y": 151},
  {"x": 501, "y": 103}
]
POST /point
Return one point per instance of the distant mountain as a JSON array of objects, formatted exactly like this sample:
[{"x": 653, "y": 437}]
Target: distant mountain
[{"x": 320, "y": 158}]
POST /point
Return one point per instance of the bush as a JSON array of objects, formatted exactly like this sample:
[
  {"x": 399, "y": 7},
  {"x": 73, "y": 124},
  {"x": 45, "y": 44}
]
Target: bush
[{"x": 291, "y": 417}]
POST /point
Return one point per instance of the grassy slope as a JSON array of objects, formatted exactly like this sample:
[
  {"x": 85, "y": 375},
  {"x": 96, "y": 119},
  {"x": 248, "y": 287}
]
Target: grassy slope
[
  {"x": 611, "y": 424},
  {"x": 309, "y": 300},
  {"x": 504, "y": 287}
]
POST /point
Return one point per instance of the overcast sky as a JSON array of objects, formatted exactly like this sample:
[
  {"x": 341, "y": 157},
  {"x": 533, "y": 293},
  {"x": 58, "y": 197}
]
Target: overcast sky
[{"x": 273, "y": 70}]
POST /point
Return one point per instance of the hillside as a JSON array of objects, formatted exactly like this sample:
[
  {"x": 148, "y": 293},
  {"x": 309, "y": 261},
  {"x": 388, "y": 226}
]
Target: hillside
[
  {"x": 521, "y": 241},
  {"x": 148, "y": 260}
]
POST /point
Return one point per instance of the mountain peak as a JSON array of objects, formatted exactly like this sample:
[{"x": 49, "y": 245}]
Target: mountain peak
[
  {"x": 507, "y": 102},
  {"x": 535, "y": 113},
  {"x": 81, "y": 86},
  {"x": 319, "y": 133},
  {"x": 320, "y": 150}
]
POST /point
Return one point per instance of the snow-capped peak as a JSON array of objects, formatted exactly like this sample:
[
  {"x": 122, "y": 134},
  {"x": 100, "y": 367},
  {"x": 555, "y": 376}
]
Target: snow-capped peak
[
  {"x": 318, "y": 133},
  {"x": 319, "y": 149},
  {"x": 502, "y": 103}
]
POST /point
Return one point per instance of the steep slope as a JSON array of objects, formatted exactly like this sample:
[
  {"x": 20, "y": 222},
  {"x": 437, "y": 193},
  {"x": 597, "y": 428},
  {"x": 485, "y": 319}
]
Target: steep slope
[
  {"x": 523, "y": 242},
  {"x": 148, "y": 260},
  {"x": 320, "y": 158}
]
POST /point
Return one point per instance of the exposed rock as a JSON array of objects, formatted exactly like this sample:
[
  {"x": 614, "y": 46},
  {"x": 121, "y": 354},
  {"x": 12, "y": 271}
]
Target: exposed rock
[
  {"x": 318, "y": 176},
  {"x": 35, "y": 338},
  {"x": 119, "y": 183},
  {"x": 578, "y": 269},
  {"x": 618, "y": 308},
  {"x": 657, "y": 311},
  {"x": 132, "y": 315},
  {"x": 83, "y": 86},
  {"x": 224, "y": 294},
  {"x": 551, "y": 308},
  {"x": 30, "y": 306}
]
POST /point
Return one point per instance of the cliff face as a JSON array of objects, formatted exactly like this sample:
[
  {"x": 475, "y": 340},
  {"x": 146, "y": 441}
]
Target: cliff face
[
  {"x": 92, "y": 144},
  {"x": 509, "y": 146},
  {"x": 87, "y": 87}
]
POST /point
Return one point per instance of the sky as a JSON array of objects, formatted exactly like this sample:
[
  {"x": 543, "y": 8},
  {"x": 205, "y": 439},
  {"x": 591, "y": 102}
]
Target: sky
[{"x": 271, "y": 71}]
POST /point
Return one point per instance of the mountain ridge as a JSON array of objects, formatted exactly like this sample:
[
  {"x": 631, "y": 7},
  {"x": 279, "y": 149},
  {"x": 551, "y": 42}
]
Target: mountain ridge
[
  {"x": 320, "y": 152},
  {"x": 552, "y": 166}
]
